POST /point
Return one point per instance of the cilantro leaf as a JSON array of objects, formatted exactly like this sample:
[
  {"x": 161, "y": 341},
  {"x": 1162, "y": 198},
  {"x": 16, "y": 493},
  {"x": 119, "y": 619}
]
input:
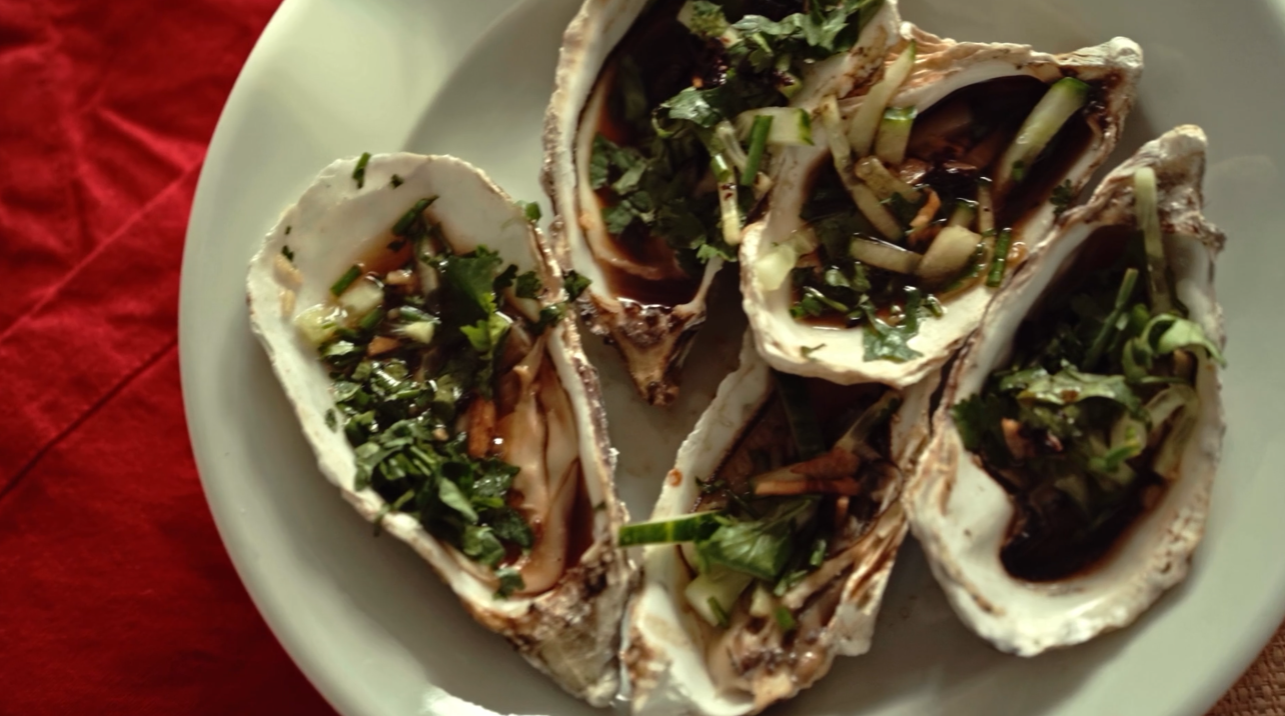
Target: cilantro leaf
[
  {"x": 480, "y": 543},
  {"x": 1063, "y": 198},
  {"x": 510, "y": 582},
  {"x": 529, "y": 285},
  {"x": 574, "y": 284}
]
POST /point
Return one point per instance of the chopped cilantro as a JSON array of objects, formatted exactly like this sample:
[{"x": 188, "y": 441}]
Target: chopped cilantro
[
  {"x": 286, "y": 252},
  {"x": 396, "y": 181},
  {"x": 1063, "y": 198},
  {"x": 574, "y": 284}
]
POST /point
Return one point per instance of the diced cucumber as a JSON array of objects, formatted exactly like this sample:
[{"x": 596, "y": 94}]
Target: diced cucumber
[
  {"x": 894, "y": 134},
  {"x": 774, "y": 265},
  {"x": 319, "y": 323},
  {"x": 713, "y": 594},
  {"x": 362, "y": 297},
  {"x": 865, "y": 123},
  {"x": 790, "y": 125},
  {"x": 1061, "y": 102}
]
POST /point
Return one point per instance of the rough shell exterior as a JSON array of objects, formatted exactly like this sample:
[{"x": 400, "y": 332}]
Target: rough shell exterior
[
  {"x": 652, "y": 339},
  {"x": 664, "y": 657},
  {"x": 960, "y": 514},
  {"x": 941, "y": 67},
  {"x": 570, "y": 632}
]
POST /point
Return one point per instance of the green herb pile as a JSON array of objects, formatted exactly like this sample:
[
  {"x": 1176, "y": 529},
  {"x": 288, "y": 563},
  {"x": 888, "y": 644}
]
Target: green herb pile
[
  {"x": 744, "y": 62},
  {"x": 398, "y": 409},
  {"x": 1094, "y": 380}
]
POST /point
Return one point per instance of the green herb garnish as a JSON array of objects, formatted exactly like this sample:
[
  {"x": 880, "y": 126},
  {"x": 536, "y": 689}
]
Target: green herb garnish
[{"x": 359, "y": 172}]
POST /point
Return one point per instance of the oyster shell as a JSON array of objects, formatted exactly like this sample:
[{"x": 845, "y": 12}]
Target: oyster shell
[
  {"x": 961, "y": 514},
  {"x": 941, "y": 68},
  {"x": 648, "y": 309},
  {"x": 569, "y": 630},
  {"x": 676, "y": 663}
]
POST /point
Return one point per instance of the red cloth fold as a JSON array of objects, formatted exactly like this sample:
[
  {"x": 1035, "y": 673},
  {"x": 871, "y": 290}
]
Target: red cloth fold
[{"x": 116, "y": 596}]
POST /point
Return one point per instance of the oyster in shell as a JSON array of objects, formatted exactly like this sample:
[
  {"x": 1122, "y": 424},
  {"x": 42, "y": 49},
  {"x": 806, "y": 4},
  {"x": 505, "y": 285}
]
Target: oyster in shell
[
  {"x": 638, "y": 215},
  {"x": 503, "y": 485},
  {"x": 1089, "y": 483},
  {"x": 879, "y": 271},
  {"x": 772, "y": 634}
]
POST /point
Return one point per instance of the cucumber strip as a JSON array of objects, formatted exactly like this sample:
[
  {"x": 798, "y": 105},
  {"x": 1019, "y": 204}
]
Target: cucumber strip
[
  {"x": 713, "y": 594},
  {"x": 884, "y": 255},
  {"x": 964, "y": 215},
  {"x": 1061, "y": 102},
  {"x": 874, "y": 416},
  {"x": 985, "y": 209},
  {"x": 1147, "y": 209},
  {"x": 894, "y": 134},
  {"x": 790, "y": 125},
  {"x": 729, "y": 209},
  {"x": 999, "y": 262},
  {"x": 800, "y": 415},
  {"x": 949, "y": 254},
  {"x": 866, "y": 200},
  {"x": 861, "y": 132},
  {"x": 884, "y": 183},
  {"x": 683, "y": 529},
  {"x": 758, "y": 145}
]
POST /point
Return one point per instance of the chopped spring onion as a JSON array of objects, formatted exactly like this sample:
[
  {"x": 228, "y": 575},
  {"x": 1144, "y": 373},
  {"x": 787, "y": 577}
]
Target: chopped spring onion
[
  {"x": 714, "y": 593},
  {"x": 999, "y": 261},
  {"x": 894, "y": 134},
  {"x": 1108, "y": 330},
  {"x": 404, "y": 224},
  {"x": 729, "y": 209},
  {"x": 758, "y": 146},
  {"x": 359, "y": 172},
  {"x": 362, "y": 297},
  {"x": 785, "y": 619},
  {"x": 774, "y": 265},
  {"x": 949, "y": 254},
  {"x": 884, "y": 255},
  {"x": 1146, "y": 207},
  {"x": 790, "y": 125},
  {"x": 1058, "y": 105},
  {"x": 885, "y": 184},
  {"x": 683, "y": 529},
  {"x": 964, "y": 215},
  {"x": 352, "y": 274},
  {"x": 861, "y": 132},
  {"x": 371, "y": 320},
  {"x": 799, "y": 413}
]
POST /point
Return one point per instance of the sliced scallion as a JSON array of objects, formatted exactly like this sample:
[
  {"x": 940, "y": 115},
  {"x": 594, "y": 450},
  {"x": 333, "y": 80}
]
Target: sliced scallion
[
  {"x": 999, "y": 261},
  {"x": 359, "y": 172},
  {"x": 403, "y": 225},
  {"x": 758, "y": 146},
  {"x": 352, "y": 274}
]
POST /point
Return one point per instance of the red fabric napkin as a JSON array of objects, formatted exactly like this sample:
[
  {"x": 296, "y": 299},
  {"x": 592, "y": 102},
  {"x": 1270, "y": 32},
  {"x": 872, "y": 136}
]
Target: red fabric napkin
[{"x": 116, "y": 596}]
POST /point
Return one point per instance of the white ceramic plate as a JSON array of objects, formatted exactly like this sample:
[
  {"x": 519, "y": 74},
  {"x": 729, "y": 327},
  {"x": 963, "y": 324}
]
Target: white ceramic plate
[{"x": 375, "y": 630}]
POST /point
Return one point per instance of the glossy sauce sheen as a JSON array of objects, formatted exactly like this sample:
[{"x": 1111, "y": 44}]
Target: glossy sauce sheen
[{"x": 1058, "y": 554}]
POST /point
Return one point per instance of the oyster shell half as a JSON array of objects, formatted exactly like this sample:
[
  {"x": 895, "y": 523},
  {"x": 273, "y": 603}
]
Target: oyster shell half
[
  {"x": 647, "y": 297},
  {"x": 1004, "y": 546},
  {"x": 564, "y": 618},
  {"x": 970, "y": 99},
  {"x": 675, "y": 660}
]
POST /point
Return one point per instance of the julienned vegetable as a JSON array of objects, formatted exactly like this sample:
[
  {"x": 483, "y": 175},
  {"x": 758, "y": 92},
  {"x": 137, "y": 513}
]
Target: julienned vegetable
[
  {"x": 775, "y": 525},
  {"x": 921, "y": 209}
]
